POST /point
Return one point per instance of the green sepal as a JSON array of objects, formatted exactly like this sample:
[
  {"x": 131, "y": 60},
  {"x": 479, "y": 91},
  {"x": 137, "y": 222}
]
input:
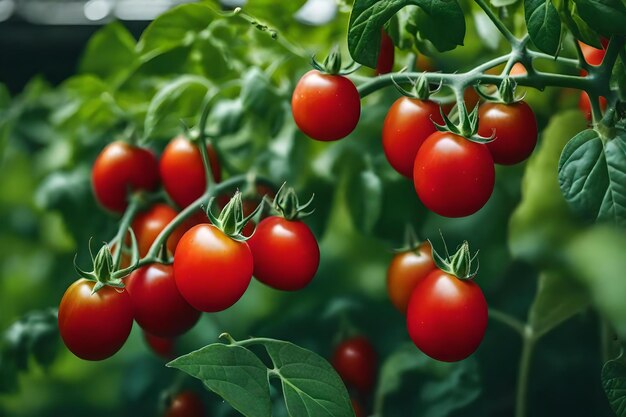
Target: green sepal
[
  {"x": 420, "y": 88},
  {"x": 332, "y": 64},
  {"x": 288, "y": 205},
  {"x": 460, "y": 264},
  {"x": 467, "y": 127},
  {"x": 231, "y": 220}
]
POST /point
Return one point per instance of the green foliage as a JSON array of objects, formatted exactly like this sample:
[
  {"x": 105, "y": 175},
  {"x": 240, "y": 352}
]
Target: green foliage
[
  {"x": 614, "y": 384},
  {"x": 544, "y": 25}
]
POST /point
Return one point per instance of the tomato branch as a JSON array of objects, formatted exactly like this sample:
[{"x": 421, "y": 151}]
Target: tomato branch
[
  {"x": 508, "y": 35},
  {"x": 508, "y": 320}
]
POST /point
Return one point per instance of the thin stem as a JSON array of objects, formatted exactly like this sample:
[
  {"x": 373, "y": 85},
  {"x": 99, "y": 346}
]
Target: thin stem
[
  {"x": 523, "y": 374},
  {"x": 508, "y": 320},
  {"x": 202, "y": 139},
  {"x": 130, "y": 213},
  {"x": 571, "y": 62},
  {"x": 498, "y": 23},
  {"x": 596, "y": 110}
]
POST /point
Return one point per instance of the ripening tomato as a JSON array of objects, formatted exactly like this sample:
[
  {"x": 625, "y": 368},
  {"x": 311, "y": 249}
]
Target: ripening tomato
[
  {"x": 165, "y": 347},
  {"x": 325, "y": 107},
  {"x": 408, "y": 123},
  {"x": 157, "y": 304},
  {"x": 515, "y": 131},
  {"x": 182, "y": 171},
  {"x": 286, "y": 254},
  {"x": 518, "y": 70},
  {"x": 212, "y": 271},
  {"x": 94, "y": 326},
  {"x": 584, "y": 104},
  {"x": 186, "y": 404},
  {"x": 405, "y": 271},
  {"x": 447, "y": 316},
  {"x": 386, "y": 55},
  {"x": 358, "y": 410},
  {"x": 453, "y": 176},
  {"x": 149, "y": 224},
  {"x": 355, "y": 361},
  {"x": 120, "y": 168},
  {"x": 593, "y": 56}
]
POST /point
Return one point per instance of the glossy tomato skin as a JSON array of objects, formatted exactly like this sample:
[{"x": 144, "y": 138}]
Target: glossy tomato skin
[
  {"x": 121, "y": 167},
  {"x": 386, "y": 55},
  {"x": 447, "y": 316},
  {"x": 408, "y": 123},
  {"x": 453, "y": 176},
  {"x": 157, "y": 304},
  {"x": 286, "y": 254},
  {"x": 515, "y": 129},
  {"x": 212, "y": 271},
  {"x": 148, "y": 224},
  {"x": 182, "y": 172},
  {"x": 325, "y": 107},
  {"x": 186, "y": 404},
  {"x": 405, "y": 271},
  {"x": 355, "y": 361},
  {"x": 584, "y": 104},
  {"x": 94, "y": 326},
  {"x": 165, "y": 347}
]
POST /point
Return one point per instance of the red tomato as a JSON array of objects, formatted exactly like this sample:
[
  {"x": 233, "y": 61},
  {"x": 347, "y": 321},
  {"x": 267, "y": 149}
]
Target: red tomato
[
  {"x": 592, "y": 55},
  {"x": 94, "y": 326},
  {"x": 182, "y": 171},
  {"x": 358, "y": 410},
  {"x": 515, "y": 131},
  {"x": 159, "y": 308},
  {"x": 447, "y": 316},
  {"x": 518, "y": 70},
  {"x": 325, "y": 107},
  {"x": 165, "y": 347},
  {"x": 286, "y": 255},
  {"x": 212, "y": 270},
  {"x": 408, "y": 123},
  {"x": 149, "y": 224},
  {"x": 121, "y": 167},
  {"x": 355, "y": 361},
  {"x": 584, "y": 104},
  {"x": 186, "y": 404},
  {"x": 386, "y": 54},
  {"x": 453, "y": 176},
  {"x": 405, "y": 271}
]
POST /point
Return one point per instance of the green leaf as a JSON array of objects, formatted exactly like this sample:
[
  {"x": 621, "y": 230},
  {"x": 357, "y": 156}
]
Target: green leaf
[
  {"x": 592, "y": 176},
  {"x": 503, "y": 3},
  {"x": 232, "y": 372},
  {"x": 213, "y": 58},
  {"x": 310, "y": 385},
  {"x": 365, "y": 199},
  {"x": 485, "y": 28},
  {"x": 614, "y": 384},
  {"x": 110, "y": 53},
  {"x": 175, "y": 101},
  {"x": 179, "y": 26},
  {"x": 544, "y": 25},
  {"x": 569, "y": 15},
  {"x": 607, "y": 17},
  {"x": 257, "y": 94},
  {"x": 442, "y": 23},
  {"x": 543, "y": 222},
  {"x": 558, "y": 298}
]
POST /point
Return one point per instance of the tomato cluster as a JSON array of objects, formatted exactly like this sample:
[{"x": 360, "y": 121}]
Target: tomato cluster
[{"x": 213, "y": 257}]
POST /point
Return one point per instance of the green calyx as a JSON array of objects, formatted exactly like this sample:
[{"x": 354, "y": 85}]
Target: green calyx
[
  {"x": 411, "y": 242},
  {"x": 460, "y": 264},
  {"x": 287, "y": 204},
  {"x": 420, "y": 88},
  {"x": 332, "y": 64},
  {"x": 467, "y": 126},
  {"x": 231, "y": 220},
  {"x": 505, "y": 93},
  {"x": 104, "y": 271}
]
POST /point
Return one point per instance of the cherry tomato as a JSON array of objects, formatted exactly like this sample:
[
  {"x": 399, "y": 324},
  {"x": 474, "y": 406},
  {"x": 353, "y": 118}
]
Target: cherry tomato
[
  {"x": 408, "y": 123},
  {"x": 453, "y": 176},
  {"x": 384, "y": 65},
  {"x": 165, "y": 347},
  {"x": 158, "y": 306},
  {"x": 515, "y": 131},
  {"x": 593, "y": 56},
  {"x": 121, "y": 167},
  {"x": 325, "y": 107},
  {"x": 355, "y": 361},
  {"x": 447, "y": 316},
  {"x": 405, "y": 271},
  {"x": 94, "y": 326},
  {"x": 182, "y": 171},
  {"x": 584, "y": 104},
  {"x": 358, "y": 410},
  {"x": 212, "y": 270},
  {"x": 286, "y": 255},
  {"x": 186, "y": 404},
  {"x": 149, "y": 224}
]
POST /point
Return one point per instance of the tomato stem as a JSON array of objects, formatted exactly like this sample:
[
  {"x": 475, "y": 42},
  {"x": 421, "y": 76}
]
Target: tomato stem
[
  {"x": 202, "y": 138},
  {"x": 498, "y": 23},
  {"x": 524, "y": 373},
  {"x": 131, "y": 211},
  {"x": 507, "y": 320}
]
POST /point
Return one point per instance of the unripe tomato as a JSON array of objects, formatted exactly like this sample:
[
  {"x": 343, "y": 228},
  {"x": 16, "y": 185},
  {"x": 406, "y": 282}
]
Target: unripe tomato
[
  {"x": 408, "y": 123},
  {"x": 182, "y": 171},
  {"x": 356, "y": 362},
  {"x": 121, "y": 168},
  {"x": 157, "y": 304},
  {"x": 94, "y": 326},
  {"x": 453, "y": 176},
  {"x": 447, "y": 316},
  {"x": 405, "y": 271},
  {"x": 515, "y": 129},
  {"x": 162, "y": 346},
  {"x": 584, "y": 104},
  {"x": 186, "y": 404},
  {"x": 212, "y": 271},
  {"x": 286, "y": 254},
  {"x": 386, "y": 55},
  {"x": 325, "y": 107}
]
